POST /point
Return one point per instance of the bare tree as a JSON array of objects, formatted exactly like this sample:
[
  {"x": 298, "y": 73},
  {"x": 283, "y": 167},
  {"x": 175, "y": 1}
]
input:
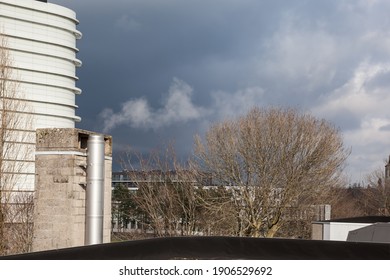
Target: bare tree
[
  {"x": 377, "y": 193},
  {"x": 16, "y": 155},
  {"x": 352, "y": 201},
  {"x": 271, "y": 161},
  {"x": 166, "y": 197},
  {"x": 371, "y": 197}
]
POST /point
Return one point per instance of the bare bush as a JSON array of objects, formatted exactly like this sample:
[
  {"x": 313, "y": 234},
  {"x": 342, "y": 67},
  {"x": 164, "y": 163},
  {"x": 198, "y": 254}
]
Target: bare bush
[{"x": 16, "y": 155}]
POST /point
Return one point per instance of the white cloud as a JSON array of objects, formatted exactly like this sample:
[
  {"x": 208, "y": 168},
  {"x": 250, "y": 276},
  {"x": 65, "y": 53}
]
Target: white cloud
[
  {"x": 301, "y": 52},
  {"x": 232, "y": 104},
  {"x": 137, "y": 113},
  {"x": 357, "y": 96},
  {"x": 370, "y": 146},
  {"x": 368, "y": 103}
]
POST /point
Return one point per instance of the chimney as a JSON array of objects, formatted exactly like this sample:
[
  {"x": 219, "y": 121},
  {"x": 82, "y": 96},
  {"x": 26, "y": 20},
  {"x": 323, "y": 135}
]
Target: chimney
[{"x": 95, "y": 190}]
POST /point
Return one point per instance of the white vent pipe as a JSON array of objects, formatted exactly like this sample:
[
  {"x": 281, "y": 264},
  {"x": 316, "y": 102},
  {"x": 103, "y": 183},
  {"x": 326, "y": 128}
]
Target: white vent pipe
[{"x": 95, "y": 190}]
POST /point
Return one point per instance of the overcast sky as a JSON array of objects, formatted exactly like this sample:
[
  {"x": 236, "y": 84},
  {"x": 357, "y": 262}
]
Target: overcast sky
[{"x": 160, "y": 70}]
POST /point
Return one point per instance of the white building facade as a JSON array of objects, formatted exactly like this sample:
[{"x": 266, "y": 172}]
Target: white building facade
[
  {"x": 41, "y": 40},
  {"x": 339, "y": 229}
]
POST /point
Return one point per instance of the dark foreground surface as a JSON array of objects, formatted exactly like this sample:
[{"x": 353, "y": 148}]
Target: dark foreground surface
[{"x": 217, "y": 248}]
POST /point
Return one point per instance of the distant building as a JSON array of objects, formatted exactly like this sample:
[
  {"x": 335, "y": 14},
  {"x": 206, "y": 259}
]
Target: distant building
[
  {"x": 123, "y": 178},
  {"x": 134, "y": 178},
  {"x": 338, "y": 229}
]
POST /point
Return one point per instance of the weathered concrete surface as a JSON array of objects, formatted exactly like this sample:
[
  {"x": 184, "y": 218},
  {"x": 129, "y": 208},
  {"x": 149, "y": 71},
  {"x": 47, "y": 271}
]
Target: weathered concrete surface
[{"x": 61, "y": 160}]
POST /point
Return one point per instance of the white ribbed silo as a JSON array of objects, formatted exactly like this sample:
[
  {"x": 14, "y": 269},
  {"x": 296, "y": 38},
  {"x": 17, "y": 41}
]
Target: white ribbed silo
[{"x": 41, "y": 39}]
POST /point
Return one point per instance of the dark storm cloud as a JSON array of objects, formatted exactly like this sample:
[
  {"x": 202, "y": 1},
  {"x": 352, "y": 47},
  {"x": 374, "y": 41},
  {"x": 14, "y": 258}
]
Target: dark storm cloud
[{"x": 144, "y": 61}]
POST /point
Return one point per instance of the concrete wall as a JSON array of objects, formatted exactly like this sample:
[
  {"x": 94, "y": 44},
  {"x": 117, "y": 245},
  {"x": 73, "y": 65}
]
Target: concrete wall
[
  {"x": 339, "y": 231},
  {"x": 61, "y": 160},
  {"x": 317, "y": 231}
]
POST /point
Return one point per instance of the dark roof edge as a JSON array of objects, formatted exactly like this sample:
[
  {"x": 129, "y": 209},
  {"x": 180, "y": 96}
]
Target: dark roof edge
[
  {"x": 217, "y": 248},
  {"x": 363, "y": 220}
]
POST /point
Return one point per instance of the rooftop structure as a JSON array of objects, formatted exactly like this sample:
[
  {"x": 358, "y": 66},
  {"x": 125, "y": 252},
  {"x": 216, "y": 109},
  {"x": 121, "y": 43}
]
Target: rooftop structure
[{"x": 338, "y": 229}]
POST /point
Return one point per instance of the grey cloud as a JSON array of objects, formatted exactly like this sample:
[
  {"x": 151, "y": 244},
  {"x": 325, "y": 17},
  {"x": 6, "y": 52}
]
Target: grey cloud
[
  {"x": 380, "y": 81},
  {"x": 127, "y": 23},
  {"x": 385, "y": 128}
]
